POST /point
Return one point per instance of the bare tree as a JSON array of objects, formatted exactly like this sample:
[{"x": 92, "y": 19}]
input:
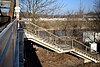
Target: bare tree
[
  {"x": 97, "y": 11},
  {"x": 36, "y": 8},
  {"x": 97, "y": 18},
  {"x": 73, "y": 23}
]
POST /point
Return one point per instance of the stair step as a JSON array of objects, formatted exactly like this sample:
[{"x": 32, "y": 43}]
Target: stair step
[
  {"x": 85, "y": 55},
  {"x": 65, "y": 47},
  {"x": 61, "y": 46}
]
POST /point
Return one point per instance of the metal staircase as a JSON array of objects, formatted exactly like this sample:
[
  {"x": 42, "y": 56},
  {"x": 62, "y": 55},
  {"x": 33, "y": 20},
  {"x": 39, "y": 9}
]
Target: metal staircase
[{"x": 60, "y": 44}]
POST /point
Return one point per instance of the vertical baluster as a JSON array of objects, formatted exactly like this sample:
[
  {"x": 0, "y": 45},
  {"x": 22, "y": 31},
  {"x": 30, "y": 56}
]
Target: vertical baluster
[
  {"x": 65, "y": 42},
  {"x": 72, "y": 43},
  {"x": 86, "y": 49},
  {"x": 38, "y": 33},
  {"x": 34, "y": 31},
  {"x": 51, "y": 39},
  {"x": 55, "y": 40},
  {"x": 98, "y": 56},
  {"x": 46, "y": 37}
]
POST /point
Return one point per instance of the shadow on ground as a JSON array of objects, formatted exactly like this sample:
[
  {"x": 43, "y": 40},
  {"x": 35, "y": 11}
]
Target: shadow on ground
[{"x": 31, "y": 58}]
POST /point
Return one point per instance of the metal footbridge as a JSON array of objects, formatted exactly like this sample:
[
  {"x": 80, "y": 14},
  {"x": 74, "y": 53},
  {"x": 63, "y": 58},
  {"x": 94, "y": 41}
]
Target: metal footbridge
[
  {"x": 12, "y": 37},
  {"x": 60, "y": 44},
  {"x": 10, "y": 40}
]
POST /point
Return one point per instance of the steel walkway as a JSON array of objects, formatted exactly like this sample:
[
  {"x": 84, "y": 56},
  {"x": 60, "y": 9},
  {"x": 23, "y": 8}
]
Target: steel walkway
[
  {"x": 60, "y": 45},
  {"x": 11, "y": 46},
  {"x": 7, "y": 44}
]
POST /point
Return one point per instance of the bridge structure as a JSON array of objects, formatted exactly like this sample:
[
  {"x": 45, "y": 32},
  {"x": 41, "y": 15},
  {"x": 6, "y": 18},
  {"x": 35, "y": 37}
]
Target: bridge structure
[
  {"x": 12, "y": 36},
  {"x": 60, "y": 44}
]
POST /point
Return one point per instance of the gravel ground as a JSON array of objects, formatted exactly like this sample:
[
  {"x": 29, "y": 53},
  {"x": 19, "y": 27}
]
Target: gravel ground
[{"x": 38, "y": 56}]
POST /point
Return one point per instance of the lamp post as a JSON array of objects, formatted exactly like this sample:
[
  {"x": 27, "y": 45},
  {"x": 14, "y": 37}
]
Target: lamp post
[{"x": 17, "y": 9}]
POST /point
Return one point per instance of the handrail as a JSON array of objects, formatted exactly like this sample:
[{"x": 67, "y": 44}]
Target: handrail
[
  {"x": 7, "y": 27},
  {"x": 45, "y": 30},
  {"x": 66, "y": 37},
  {"x": 7, "y": 44},
  {"x": 4, "y": 35},
  {"x": 48, "y": 37},
  {"x": 82, "y": 45},
  {"x": 59, "y": 41}
]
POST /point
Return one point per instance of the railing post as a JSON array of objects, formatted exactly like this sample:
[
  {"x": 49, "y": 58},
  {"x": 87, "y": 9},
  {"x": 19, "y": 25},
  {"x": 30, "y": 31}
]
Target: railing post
[
  {"x": 98, "y": 56},
  {"x": 86, "y": 49},
  {"x": 54, "y": 40},
  {"x": 38, "y": 33},
  {"x": 21, "y": 46},
  {"x": 17, "y": 9},
  {"x": 72, "y": 43},
  {"x": 65, "y": 41}
]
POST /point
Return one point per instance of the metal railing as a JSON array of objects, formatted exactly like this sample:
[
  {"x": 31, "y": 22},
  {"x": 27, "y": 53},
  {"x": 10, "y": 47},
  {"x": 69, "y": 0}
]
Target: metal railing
[
  {"x": 7, "y": 44},
  {"x": 87, "y": 50},
  {"x": 46, "y": 36},
  {"x": 79, "y": 45},
  {"x": 64, "y": 43}
]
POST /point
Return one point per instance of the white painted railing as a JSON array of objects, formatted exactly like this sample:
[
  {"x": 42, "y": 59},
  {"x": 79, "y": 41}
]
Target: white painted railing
[{"x": 64, "y": 44}]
